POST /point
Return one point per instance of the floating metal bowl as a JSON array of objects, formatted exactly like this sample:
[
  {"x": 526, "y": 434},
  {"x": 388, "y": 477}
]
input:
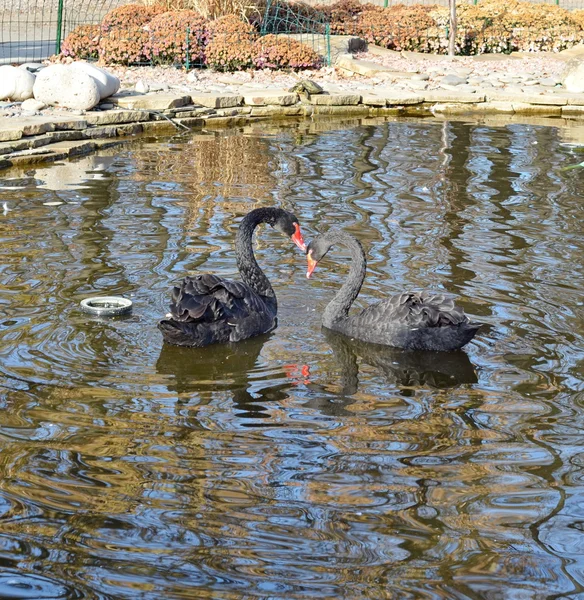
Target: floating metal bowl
[{"x": 106, "y": 306}]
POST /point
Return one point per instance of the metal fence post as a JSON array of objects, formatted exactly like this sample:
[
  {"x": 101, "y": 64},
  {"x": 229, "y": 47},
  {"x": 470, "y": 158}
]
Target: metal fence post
[
  {"x": 59, "y": 27},
  {"x": 187, "y": 57},
  {"x": 327, "y": 32}
]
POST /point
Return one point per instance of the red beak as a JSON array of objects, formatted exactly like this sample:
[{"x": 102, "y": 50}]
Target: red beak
[
  {"x": 311, "y": 265},
  {"x": 297, "y": 238}
]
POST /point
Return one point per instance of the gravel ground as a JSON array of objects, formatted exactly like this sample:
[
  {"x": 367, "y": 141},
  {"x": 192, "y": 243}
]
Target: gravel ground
[{"x": 536, "y": 66}]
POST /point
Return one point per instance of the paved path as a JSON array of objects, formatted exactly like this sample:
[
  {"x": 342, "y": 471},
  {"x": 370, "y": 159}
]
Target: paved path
[{"x": 26, "y": 51}]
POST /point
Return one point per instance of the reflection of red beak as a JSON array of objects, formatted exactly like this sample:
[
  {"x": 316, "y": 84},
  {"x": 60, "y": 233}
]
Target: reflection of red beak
[
  {"x": 311, "y": 264},
  {"x": 297, "y": 238}
]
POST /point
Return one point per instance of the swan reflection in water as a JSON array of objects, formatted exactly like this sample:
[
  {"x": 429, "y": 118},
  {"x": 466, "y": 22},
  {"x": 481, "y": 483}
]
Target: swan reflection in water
[
  {"x": 231, "y": 368},
  {"x": 400, "y": 367},
  {"x": 221, "y": 367}
]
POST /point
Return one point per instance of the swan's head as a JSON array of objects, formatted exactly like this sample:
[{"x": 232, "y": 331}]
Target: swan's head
[
  {"x": 288, "y": 224},
  {"x": 315, "y": 252}
]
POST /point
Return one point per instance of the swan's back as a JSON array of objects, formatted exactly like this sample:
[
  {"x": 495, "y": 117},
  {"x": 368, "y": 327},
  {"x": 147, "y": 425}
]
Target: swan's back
[
  {"x": 413, "y": 321},
  {"x": 208, "y": 309}
]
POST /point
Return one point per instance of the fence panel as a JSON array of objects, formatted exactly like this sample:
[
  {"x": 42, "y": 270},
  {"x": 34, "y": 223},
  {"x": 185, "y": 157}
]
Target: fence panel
[{"x": 30, "y": 30}]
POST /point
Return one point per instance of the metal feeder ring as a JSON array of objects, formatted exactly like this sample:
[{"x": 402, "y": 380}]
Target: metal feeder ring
[{"x": 106, "y": 306}]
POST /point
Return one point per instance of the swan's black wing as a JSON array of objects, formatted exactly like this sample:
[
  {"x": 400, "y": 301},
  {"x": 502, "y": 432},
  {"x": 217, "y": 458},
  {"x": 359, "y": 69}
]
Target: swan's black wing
[
  {"x": 413, "y": 321},
  {"x": 207, "y": 309},
  {"x": 414, "y": 310}
]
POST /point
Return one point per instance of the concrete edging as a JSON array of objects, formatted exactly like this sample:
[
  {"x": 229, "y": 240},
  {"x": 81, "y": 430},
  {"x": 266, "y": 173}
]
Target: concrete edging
[{"x": 49, "y": 138}]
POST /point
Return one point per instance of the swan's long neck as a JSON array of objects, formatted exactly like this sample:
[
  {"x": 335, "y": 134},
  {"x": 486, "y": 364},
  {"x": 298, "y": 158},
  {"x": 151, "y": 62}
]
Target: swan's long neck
[
  {"x": 250, "y": 271},
  {"x": 338, "y": 308}
]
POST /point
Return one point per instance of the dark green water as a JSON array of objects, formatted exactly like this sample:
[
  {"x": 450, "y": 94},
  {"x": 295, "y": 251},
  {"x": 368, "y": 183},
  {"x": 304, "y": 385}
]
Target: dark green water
[{"x": 296, "y": 465}]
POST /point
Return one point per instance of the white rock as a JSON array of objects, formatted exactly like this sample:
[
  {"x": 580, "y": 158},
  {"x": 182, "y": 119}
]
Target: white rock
[
  {"x": 107, "y": 84},
  {"x": 32, "y": 104},
  {"x": 60, "y": 85},
  {"x": 15, "y": 84},
  {"x": 192, "y": 76},
  {"x": 142, "y": 87},
  {"x": 573, "y": 76}
]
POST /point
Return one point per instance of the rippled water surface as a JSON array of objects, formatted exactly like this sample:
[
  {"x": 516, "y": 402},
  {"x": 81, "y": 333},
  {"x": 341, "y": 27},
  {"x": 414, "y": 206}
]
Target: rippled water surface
[{"x": 298, "y": 464}]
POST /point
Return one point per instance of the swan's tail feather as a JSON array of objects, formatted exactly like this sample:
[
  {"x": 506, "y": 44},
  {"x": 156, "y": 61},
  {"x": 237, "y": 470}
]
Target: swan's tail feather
[{"x": 194, "y": 334}]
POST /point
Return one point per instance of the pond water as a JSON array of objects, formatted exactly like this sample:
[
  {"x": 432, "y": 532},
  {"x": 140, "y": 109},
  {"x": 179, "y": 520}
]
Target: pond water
[{"x": 297, "y": 464}]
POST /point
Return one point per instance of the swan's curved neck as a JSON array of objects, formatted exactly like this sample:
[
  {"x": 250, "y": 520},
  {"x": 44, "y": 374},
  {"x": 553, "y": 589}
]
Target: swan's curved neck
[
  {"x": 250, "y": 271},
  {"x": 338, "y": 308}
]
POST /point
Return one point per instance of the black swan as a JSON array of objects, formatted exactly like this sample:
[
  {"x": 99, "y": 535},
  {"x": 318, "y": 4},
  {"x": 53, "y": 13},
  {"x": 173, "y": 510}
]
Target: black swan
[
  {"x": 411, "y": 320},
  {"x": 207, "y": 309}
]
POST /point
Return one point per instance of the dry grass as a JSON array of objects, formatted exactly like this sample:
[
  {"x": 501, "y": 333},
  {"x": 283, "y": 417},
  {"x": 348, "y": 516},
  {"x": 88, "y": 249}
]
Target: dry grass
[{"x": 210, "y": 9}]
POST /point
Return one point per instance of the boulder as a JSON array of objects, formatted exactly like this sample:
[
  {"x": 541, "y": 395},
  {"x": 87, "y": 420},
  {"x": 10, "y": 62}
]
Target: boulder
[
  {"x": 61, "y": 85},
  {"x": 107, "y": 84},
  {"x": 15, "y": 84},
  {"x": 573, "y": 75},
  {"x": 32, "y": 104}
]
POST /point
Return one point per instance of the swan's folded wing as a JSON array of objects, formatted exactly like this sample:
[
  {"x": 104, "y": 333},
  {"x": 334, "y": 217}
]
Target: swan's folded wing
[
  {"x": 415, "y": 309},
  {"x": 209, "y": 298}
]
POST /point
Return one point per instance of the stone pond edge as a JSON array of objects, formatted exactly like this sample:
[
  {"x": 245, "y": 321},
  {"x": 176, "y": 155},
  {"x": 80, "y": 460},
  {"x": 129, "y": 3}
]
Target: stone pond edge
[{"x": 37, "y": 139}]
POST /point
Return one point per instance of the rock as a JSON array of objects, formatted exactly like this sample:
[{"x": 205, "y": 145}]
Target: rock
[
  {"x": 420, "y": 77},
  {"x": 32, "y": 104},
  {"x": 549, "y": 81},
  {"x": 417, "y": 84},
  {"x": 107, "y": 84},
  {"x": 158, "y": 87},
  {"x": 192, "y": 76},
  {"x": 572, "y": 77},
  {"x": 339, "y": 99},
  {"x": 60, "y": 85},
  {"x": 452, "y": 80},
  {"x": 141, "y": 87},
  {"x": 15, "y": 83},
  {"x": 217, "y": 100},
  {"x": 151, "y": 101},
  {"x": 270, "y": 97}
]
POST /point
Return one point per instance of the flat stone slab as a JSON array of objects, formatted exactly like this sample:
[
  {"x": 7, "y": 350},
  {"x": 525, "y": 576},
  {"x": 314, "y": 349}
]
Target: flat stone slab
[
  {"x": 270, "y": 97},
  {"x": 9, "y": 131},
  {"x": 549, "y": 99},
  {"x": 459, "y": 97},
  {"x": 395, "y": 97},
  {"x": 573, "y": 110},
  {"x": 217, "y": 100},
  {"x": 113, "y": 117},
  {"x": 154, "y": 101},
  {"x": 336, "y": 99},
  {"x": 367, "y": 68}
]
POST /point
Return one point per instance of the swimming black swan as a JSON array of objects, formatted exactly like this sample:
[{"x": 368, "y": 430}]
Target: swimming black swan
[
  {"x": 207, "y": 309},
  {"x": 412, "y": 320}
]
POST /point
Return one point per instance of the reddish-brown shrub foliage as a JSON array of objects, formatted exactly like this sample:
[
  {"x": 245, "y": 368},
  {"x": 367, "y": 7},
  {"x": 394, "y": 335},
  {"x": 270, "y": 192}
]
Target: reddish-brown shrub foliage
[
  {"x": 128, "y": 16},
  {"x": 230, "y": 46},
  {"x": 281, "y": 52},
  {"x": 124, "y": 46},
  {"x": 169, "y": 40},
  {"x": 82, "y": 43},
  {"x": 398, "y": 28}
]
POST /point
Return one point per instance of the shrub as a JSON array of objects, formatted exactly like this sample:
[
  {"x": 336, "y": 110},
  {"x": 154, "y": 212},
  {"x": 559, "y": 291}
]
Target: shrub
[
  {"x": 129, "y": 16},
  {"x": 124, "y": 46},
  {"x": 279, "y": 52},
  {"x": 287, "y": 17},
  {"x": 168, "y": 37},
  {"x": 344, "y": 15},
  {"x": 398, "y": 28},
  {"x": 231, "y": 44},
  {"x": 82, "y": 43}
]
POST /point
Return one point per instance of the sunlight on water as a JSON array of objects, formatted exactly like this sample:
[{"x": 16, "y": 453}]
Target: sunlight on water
[{"x": 297, "y": 464}]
